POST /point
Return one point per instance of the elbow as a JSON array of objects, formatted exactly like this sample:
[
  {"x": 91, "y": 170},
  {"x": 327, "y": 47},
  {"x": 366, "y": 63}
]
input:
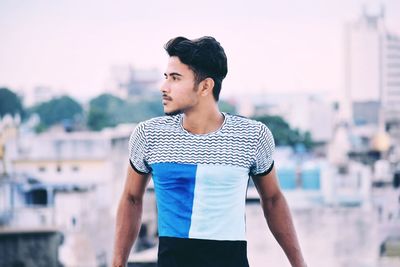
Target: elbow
[
  {"x": 135, "y": 200},
  {"x": 270, "y": 202}
]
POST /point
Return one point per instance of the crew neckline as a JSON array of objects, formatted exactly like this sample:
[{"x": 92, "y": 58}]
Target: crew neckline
[{"x": 205, "y": 134}]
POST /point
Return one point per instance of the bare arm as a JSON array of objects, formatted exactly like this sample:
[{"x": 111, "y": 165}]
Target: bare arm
[
  {"x": 279, "y": 220},
  {"x": 129, "y": 216}
]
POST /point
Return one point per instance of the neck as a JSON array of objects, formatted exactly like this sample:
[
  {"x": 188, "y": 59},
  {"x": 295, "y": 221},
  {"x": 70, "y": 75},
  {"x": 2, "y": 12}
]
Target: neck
[{"x": 203, "y": 121}]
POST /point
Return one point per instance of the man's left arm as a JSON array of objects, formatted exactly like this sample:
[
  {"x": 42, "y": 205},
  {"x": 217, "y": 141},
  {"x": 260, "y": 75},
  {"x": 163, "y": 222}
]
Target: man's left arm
[{"x": 277, "y": 214}]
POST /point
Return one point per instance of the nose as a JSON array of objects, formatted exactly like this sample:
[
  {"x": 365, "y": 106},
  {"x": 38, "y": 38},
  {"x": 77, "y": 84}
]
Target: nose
[{"x": 164, "y": 88}]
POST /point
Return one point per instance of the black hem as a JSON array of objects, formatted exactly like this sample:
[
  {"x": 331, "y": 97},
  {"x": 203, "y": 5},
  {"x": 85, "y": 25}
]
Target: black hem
[
  {"x": 136, "y": 170},
  {"x": 267, "y": 171}
]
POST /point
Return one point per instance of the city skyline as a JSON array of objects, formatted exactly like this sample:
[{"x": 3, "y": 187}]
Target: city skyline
[{"x": 71, "y": 46}]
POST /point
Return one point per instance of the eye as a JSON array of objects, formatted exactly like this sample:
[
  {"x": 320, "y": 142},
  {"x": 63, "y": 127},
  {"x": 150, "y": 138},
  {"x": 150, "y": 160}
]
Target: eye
[{"x": 175, "y": 78}]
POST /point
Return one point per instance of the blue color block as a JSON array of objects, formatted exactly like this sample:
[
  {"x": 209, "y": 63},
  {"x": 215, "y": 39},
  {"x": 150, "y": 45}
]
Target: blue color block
[{"x": 174, "y": 186}]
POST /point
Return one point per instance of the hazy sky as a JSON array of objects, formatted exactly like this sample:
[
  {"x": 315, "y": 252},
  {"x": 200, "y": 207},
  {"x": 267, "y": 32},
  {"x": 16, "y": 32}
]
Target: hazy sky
[{"x": 272, "y": 46}]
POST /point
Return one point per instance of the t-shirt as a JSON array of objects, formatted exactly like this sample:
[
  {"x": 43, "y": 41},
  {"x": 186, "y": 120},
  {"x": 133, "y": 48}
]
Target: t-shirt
[{"x": 200, "y": 182}]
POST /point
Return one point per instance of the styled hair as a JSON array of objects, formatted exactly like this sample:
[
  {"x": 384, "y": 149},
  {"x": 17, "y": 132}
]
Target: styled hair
[{"x": 204, "y": 56}]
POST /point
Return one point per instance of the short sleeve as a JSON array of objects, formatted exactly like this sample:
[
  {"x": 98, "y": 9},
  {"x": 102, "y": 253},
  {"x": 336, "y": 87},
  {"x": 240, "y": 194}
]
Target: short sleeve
[
  {"x": 263, "y": 159},
  {"x": 137, "y": 149}
]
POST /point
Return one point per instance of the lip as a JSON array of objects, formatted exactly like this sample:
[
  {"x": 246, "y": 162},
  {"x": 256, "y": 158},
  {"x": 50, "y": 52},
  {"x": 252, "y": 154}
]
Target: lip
[{"x": 166, "y": 98}]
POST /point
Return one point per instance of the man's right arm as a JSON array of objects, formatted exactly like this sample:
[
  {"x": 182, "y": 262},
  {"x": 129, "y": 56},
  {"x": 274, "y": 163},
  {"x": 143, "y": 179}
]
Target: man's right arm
[{"x": 129, "y": 216}]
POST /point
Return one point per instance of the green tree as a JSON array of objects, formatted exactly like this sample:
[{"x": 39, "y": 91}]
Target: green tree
[
  {"x": 284, "y": 135},
  {"x": 107, "y": 110},
  {"x": 58, "y": 110},
  {"x": 227, "y": 107},
  {"x": 99, "y": 119},
  {"x": 102, "y": 111},
  {"x": 144, "y": 109},
  {"x": 106, "y": 102},
  {"x": 10, "y": 103},
  {"x": 308, "y": 142}
]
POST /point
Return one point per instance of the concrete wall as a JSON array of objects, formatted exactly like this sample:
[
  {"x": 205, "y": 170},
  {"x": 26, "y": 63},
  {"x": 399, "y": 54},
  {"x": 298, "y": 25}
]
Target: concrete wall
[{"x": 29, "y": 248}]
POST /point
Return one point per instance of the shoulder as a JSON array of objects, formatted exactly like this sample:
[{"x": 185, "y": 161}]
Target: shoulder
[
  {"x": 244, "y": 122},
  {"x": 152, "y": 128},
  {"x": 159, "y": 122},
  {"x": 250, "y": 128}
]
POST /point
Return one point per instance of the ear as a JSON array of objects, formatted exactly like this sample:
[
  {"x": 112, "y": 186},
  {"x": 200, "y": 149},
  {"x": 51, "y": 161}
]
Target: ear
[{"x": 206, "y": 87}]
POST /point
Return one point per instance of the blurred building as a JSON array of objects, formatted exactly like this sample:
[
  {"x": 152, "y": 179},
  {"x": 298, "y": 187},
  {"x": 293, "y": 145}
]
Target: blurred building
[
  {"x": 364, "y": 56},
  {"x": 127, "y": 81},
  {"x": 366, "y": 112},
  {"x": 306, "y": 111},
  {"x": 391, "y": 87},
  {"x": 372, "y": 74},
  {"x": 42, "y": 94},
  {"x": 68, "y": 181},
  {"x": 81, "y": 158},
  {"x": 39, "y": 94},
  {"x": 71, "y": 182}
]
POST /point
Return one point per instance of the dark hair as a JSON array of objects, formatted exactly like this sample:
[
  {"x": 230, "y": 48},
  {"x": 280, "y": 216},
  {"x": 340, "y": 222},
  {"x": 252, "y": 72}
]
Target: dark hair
[{"x": 204, "y": 56}]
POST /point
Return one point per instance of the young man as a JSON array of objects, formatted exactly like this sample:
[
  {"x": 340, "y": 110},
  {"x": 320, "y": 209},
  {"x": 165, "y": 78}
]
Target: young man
[{"x": 200, "y": 161}]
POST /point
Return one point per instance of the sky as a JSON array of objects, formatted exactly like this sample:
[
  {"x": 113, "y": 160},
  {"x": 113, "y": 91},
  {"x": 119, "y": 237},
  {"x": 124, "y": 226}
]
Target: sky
[{"x": 272, "y": 46}]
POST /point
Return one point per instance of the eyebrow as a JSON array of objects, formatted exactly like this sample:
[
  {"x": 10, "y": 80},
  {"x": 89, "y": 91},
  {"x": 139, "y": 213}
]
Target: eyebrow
[{"x": 172, "y": 74}]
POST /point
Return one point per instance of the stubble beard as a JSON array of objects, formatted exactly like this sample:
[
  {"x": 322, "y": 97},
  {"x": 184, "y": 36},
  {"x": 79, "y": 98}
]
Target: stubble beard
[
  {"x": 174, "y": 112},
  {"x": 179, "y": 111}
]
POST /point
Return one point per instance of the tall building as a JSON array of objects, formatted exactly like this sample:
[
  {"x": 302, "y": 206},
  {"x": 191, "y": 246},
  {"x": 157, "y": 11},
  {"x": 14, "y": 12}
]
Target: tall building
[
  {"x": 391, "y": 82},
  {"x": 372, "y": 72},
  {"x": 363, "y": 58}
]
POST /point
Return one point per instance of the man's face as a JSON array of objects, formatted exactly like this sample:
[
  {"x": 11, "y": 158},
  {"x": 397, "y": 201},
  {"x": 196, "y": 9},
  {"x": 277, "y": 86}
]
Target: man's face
[{"x": 178, "y": 90}]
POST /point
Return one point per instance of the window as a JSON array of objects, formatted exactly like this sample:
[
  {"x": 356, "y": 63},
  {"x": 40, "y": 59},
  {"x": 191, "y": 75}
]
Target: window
[
  {"x": 75, "y": 168},
  {"x": 36, "y": 197},
  {"x": 42, "y": 169}
]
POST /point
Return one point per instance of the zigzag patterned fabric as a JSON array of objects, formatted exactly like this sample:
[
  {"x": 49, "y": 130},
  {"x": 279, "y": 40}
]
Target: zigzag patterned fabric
[{"x": 201, "y": 180}]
